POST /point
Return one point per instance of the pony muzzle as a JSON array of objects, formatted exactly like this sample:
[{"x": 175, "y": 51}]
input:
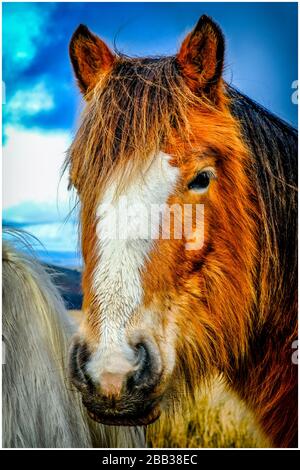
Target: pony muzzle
[{"x": 118, "y": 388}]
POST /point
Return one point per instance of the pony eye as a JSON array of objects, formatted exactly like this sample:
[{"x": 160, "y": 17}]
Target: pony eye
[{"x": 201, "y": 182}]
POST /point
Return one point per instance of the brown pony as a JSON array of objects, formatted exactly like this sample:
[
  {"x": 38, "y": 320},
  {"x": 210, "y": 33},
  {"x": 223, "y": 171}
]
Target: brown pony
[{"x": 163, "y": 313}]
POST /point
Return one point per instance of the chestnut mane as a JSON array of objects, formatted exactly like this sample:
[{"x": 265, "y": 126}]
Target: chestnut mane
[
  {"x": 135, "y": 110},
  {"x": 273, "y": 143}
]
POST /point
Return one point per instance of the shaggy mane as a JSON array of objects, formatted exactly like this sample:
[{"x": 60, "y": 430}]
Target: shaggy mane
[
  {"x": 273, "y": 144},
  {"x": 130, "y": 114}
]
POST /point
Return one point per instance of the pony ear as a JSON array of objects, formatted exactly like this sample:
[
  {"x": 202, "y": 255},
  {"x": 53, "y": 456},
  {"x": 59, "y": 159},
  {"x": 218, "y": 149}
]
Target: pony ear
[
  {"x": 90, "y": 56},
  {"x": 201, "y": 55}
]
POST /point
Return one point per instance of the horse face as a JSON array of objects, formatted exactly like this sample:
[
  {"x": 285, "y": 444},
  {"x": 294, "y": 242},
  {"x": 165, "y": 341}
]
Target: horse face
[{"x": 152, "y": 163}]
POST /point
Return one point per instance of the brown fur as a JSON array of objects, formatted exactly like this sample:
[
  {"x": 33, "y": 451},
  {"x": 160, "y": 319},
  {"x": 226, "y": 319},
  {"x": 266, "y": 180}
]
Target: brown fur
[{"x": 220, "y": 297}]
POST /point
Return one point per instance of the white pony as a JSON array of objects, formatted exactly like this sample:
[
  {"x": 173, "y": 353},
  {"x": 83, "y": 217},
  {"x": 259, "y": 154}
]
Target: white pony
[{"x": 40, "y": 408}]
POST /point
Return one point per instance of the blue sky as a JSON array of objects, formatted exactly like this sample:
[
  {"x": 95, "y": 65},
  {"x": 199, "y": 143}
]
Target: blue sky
[{"x": 42, "y": 102}]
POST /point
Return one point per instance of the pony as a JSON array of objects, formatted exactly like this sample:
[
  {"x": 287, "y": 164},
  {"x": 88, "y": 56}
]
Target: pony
[
  {"x": 39, "y": 407},
  {"x": 163, "y": 313}
]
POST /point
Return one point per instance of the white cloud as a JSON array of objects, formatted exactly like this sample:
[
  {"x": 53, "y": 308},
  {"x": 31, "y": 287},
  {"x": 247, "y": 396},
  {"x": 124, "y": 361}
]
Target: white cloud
[
  {"x": 32, "y": 163},
  {"x": 30, "y": 102}
]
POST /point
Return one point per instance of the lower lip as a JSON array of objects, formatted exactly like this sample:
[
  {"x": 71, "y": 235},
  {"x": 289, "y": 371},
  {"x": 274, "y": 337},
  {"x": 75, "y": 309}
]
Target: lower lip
[{"x": 118, "y": 421}]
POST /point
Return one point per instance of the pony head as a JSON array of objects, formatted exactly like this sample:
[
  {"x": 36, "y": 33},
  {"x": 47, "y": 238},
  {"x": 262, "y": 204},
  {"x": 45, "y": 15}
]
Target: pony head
[{"x": 167, "y": 230}]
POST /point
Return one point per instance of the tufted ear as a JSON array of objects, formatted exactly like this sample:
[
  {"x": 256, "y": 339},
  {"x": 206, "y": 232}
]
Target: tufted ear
[
  {"x": 201, "y": 55},
  {"x": 90, "y": 56}
]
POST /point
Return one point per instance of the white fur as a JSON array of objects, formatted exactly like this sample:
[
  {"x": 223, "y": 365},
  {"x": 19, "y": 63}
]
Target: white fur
[
  {"x": 126, "y": 229},
  {"x": 40, "y": 409}
]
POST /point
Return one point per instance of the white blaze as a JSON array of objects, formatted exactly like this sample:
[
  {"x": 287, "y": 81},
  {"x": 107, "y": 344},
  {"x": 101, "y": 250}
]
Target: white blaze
[{"x": 117, "y": 279}]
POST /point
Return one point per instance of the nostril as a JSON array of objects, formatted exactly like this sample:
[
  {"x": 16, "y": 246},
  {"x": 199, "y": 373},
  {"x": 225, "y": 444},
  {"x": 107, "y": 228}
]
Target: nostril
[
  {"x": 143, "y": 360},
  {"x": 143, "y": 376},
  {"x": 78, "y": 360}
]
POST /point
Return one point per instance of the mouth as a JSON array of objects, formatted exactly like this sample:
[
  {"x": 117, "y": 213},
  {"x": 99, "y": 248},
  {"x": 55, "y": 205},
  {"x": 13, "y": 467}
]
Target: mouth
[{"x": 113, "y": 418}]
